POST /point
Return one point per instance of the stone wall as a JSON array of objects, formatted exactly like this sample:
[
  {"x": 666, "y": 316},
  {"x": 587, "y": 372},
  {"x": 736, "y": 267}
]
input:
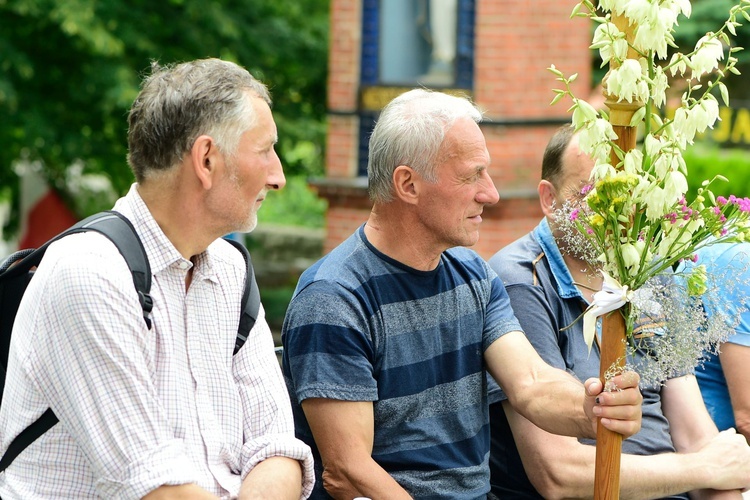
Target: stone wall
[{"x": 281, "y": 253}]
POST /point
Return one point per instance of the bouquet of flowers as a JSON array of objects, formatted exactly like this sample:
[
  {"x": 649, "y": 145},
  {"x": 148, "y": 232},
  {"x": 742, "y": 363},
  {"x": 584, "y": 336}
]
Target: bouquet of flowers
[{"x": 633, "y": 220}]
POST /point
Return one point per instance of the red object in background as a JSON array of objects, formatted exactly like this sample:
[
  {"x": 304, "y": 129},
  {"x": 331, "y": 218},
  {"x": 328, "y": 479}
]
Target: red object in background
[{"x": 48, "y": 217}]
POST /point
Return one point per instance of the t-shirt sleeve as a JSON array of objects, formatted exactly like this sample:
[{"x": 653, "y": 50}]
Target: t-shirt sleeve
[
  {"x": 328, "y": 346},
  {"x": 500, "y": 318}
]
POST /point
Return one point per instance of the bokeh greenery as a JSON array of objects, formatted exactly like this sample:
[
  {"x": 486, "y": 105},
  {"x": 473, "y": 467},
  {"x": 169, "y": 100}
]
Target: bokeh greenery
[
  {"x": 706, "y": 160},
  {"x": 71, "y": 68}
]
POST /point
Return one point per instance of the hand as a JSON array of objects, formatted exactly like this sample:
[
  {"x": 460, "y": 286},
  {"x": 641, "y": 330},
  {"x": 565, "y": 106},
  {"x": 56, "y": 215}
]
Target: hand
[
  {"x": 728, "y": 456},
  {"x": 619, "y": 410}
]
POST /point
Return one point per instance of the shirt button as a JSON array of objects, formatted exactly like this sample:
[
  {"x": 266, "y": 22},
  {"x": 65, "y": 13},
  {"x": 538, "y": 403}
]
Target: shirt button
[{"x": 183, "y": 265}]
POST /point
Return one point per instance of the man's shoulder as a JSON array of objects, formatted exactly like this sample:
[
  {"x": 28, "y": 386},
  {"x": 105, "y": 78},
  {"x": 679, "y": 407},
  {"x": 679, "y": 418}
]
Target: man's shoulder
[
  {"x": 87, "y": 251},
  {"x": 465, "y": 258},
  {"x": 515, "y": 263},
  {"x": 78, "y": 269},
  {"x": 342, "y": 271},
  {"x": 226, "y": 257}
]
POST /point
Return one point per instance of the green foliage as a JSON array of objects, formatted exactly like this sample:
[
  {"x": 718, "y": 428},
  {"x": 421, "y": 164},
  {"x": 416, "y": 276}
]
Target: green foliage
[
  {"x": 71, "y": 68},
  {"x": 275, "y": 302},
  {"x": 295, "y": 205},
  {"x": 709, "y": 16},
  {"x": 705, "y": 161}
]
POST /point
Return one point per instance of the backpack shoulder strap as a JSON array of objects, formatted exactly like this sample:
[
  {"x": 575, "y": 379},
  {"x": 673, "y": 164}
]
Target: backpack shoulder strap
[
  {"x": 121, "y": 232},
  {"x": 30, "y": 434},
  {"x": 250, "y": 299}
]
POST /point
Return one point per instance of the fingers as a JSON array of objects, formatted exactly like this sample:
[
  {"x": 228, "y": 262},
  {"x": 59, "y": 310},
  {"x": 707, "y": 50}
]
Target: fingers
[
  {"x": 620, "y": 412},
  {"x": 728, "y": 454},
  {"x": 619, "y": 408},
  {"x": 625, "y": 380},
  {"x": 593, "y": 387}
]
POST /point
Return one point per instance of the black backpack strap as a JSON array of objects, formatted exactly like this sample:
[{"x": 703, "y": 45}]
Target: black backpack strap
[
  {"x": 121, "y": 232},
  {"x": 28, "y": 436},
  {"x": 250, "y": 299}
]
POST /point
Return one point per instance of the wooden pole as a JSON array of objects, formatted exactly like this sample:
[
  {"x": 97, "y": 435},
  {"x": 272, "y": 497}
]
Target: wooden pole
[{"x": 608, "y": 443}]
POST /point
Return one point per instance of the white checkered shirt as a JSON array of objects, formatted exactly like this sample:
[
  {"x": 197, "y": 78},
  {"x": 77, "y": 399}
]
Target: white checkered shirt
[{"x": 141, "y": 408}]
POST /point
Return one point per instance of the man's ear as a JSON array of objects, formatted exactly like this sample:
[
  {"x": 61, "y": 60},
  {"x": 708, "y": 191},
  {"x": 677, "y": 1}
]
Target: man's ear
[
  {"x": 204, "y": 159},
  {"x": 547, "y": 197},
  {"x": 406, "y": 184}
]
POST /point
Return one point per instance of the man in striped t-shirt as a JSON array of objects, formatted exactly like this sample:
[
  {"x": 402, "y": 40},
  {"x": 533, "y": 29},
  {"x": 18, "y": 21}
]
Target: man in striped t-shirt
[{"x": 387, "y": 337}]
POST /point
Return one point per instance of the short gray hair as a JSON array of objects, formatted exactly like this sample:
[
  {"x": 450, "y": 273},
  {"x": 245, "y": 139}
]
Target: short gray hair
[
  {"x": 179, "y": 103},
  {"x": 410, "y": 131}
]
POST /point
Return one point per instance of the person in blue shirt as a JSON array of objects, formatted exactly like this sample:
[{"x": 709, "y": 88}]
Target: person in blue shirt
[
  {"x": 678, "y": 448},
  {"x": 387, "y": 338},
  {"x": 724, "y": 378}
]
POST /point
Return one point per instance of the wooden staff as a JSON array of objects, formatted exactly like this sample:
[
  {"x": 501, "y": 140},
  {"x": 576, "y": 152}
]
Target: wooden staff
[{"x": 608, "y": 443}]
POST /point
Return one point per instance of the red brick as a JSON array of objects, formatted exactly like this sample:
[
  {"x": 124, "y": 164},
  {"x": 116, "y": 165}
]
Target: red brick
[{"x": 515, "y": 42}]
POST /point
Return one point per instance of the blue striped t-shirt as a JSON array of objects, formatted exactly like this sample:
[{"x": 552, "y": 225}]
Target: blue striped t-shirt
[{"x": 364, "y": 327}]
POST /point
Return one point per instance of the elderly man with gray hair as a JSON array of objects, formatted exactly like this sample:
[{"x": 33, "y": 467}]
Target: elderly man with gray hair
[
  {"x": 165, "y": 412},
  {"x": 387, "y": 337}
]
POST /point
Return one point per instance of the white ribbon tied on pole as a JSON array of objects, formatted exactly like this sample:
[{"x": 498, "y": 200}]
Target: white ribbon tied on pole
[{"x": 612, "y": 296}]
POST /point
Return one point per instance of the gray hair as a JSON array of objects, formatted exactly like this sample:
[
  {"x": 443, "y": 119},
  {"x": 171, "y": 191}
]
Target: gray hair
[
  {"x": 410, "y": 131},
  {"x": 179, "y": 103}
]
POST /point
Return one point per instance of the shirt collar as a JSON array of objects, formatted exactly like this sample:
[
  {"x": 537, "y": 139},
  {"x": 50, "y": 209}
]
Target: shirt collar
[
  {"x": 159, "y": 249},
  {"x": 565, "y": 286}
]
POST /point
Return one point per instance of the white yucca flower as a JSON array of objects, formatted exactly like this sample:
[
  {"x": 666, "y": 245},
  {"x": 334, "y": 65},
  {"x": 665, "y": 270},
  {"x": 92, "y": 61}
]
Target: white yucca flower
[
  {"x": 677, "y": 64},
  {"x": 682, "y": 6},
  {"x": 655, "y": 32},
  {"x": 659, "y": 87},
  {"x": 640, "y": 11},
  {"x": 626, "y": 82},
  {"x": 709, "y": 51}
]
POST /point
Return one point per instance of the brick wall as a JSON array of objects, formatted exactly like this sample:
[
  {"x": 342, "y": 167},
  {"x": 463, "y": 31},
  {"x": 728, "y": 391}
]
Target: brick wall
[{"x": 515, "y": 41}]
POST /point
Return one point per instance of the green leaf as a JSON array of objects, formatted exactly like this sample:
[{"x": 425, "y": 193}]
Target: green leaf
[
  {"x": 575, "y": 11},
  {"x": 724, "y": 93},
  {"x": 638, "y": 116}
]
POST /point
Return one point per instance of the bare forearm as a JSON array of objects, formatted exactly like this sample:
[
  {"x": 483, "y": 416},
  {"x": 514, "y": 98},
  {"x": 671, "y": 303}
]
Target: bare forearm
[
  {"x": 361, "y": 478},
  {"x": 555, "y": 403},
  {"x": 170, "y": 492},
  {"x": 275, "y": 477},
  {"x": 662, "y": 475},
  {"x": 564, "y": 468},
  {"x": 641, "y": 477}
]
